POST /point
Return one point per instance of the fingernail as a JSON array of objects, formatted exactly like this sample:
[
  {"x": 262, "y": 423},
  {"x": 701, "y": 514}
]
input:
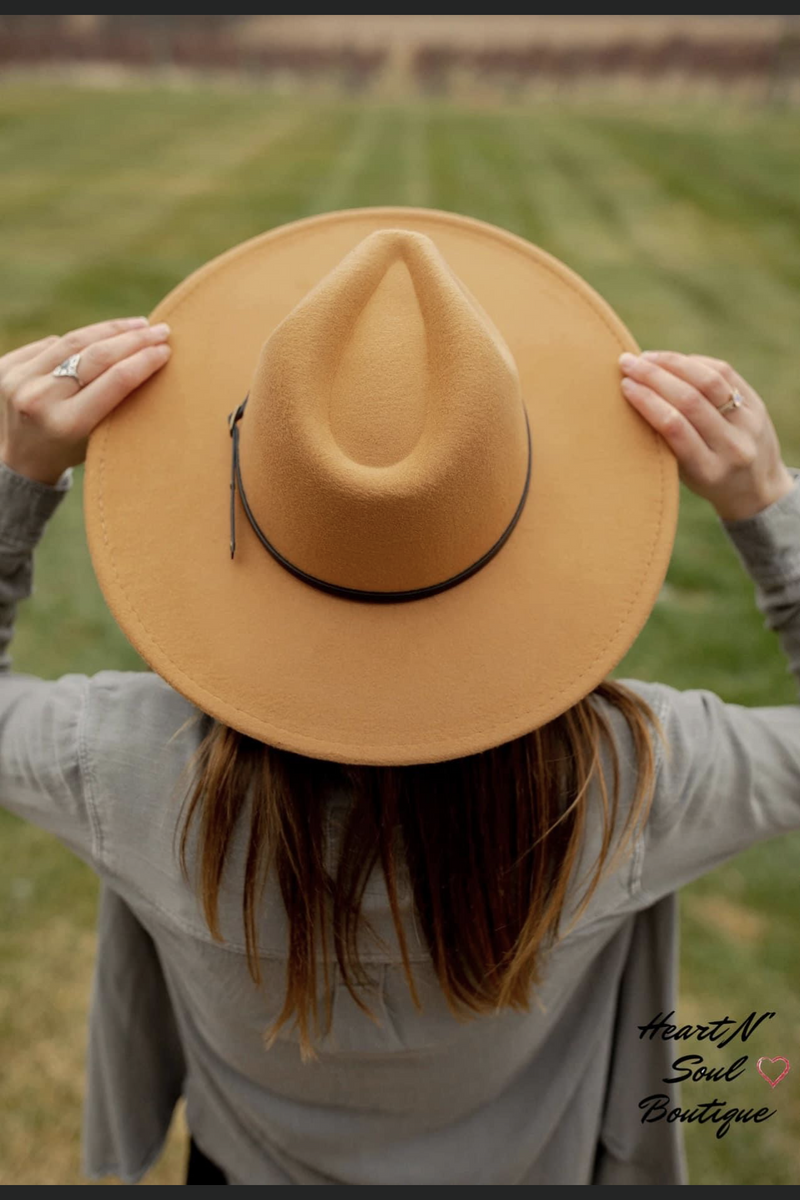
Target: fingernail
[
  {"x": 161, "y": 330},
  {"x": 136, "y": 322},
  {"x": 627, "y": 360},
  {"x": 164, "y": 350},
  {"x": 628, "y": 385}
]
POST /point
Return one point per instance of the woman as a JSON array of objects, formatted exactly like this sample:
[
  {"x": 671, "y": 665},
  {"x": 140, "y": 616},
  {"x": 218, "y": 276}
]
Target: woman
[{"x": 418, "y": 904}]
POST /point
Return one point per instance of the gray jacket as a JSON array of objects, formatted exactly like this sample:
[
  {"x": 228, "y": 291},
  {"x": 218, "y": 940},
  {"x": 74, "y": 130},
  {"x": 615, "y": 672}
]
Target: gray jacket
[{"x": 549, "y": 1096}]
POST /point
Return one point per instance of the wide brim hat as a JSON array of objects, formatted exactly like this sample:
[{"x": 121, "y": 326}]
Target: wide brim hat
[{"x": 575, "y": 553}]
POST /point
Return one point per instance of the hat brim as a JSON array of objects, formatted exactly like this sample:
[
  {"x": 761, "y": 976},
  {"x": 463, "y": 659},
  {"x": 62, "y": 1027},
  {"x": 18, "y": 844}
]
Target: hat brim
[{"x": 422, "y": 681}]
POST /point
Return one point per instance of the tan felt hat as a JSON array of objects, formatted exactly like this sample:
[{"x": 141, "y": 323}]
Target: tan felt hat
[{"x": 449, "y": 523}]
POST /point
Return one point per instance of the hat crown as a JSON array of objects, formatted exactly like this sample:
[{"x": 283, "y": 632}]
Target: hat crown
[{"x": 384, "y": 445}]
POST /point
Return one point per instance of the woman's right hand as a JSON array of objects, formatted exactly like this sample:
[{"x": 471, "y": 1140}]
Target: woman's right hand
[{"x": 733, "y": 459}]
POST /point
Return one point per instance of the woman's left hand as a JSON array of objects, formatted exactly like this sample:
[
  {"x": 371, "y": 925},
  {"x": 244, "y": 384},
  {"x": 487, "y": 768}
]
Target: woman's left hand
[{"x": 45, "y": 420}]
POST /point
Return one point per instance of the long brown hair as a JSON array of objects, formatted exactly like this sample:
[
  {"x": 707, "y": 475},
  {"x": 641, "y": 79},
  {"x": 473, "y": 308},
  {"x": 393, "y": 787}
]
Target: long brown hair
[{"x": 489, "y": 843}]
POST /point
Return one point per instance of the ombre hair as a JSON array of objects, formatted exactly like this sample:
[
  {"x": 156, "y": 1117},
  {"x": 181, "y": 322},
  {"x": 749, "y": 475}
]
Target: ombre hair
[{"x": 489, "y": 843}]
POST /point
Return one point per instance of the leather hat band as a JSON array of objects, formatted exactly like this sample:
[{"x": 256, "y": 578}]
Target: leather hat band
[{"x": 337, "y": 589}]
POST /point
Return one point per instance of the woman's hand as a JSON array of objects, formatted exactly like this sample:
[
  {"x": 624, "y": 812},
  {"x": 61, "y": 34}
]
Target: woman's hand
[
  {"x": 45, "y": 420},
  {"x": 732, "y": 459}
]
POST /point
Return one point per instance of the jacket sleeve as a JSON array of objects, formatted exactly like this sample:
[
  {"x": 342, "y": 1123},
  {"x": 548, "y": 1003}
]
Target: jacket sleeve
[
  {"x": 42, "y": 776},
  {"x": 730, "y": 775}
]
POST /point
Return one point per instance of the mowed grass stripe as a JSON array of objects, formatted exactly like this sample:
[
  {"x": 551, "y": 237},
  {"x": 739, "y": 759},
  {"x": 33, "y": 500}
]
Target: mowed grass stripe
[
  {"x": 365, "y": 144},
  {"x": 747, "y": 266},
  {"x": 416, "y": 160},
  {"x": 465, "y": 176},
  {"x": 750, "y": 185},
  {"x": 256, "y": 178},
  {"x": 102, "y": 211}
]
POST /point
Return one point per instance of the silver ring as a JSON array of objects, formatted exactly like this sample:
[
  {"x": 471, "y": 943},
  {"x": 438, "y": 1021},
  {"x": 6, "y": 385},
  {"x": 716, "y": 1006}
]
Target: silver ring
[
  {"x": 736, "y": 401},
  {"x": 69, "y": 369}
]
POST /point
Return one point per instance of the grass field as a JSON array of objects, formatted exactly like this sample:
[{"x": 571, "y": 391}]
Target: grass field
[{"x": 686, "y": 219}]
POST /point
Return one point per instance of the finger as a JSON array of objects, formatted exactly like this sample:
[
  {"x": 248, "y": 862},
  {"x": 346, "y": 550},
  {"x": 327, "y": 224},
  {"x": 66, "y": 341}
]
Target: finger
[
  {"x": 16, "y": 358},
  {"x": 677, "y": 431},
  {"x": 99, "y": 356},
  {"x": 737, "y": 382},
  {"x": 698, "y": 408},
  {"x": 93, "y": 403},
  {"x": 77, "y": 340},
  {"x": 714, "y": 378}
]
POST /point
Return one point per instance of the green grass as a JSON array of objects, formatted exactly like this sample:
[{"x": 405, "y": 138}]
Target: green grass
[{"x": 687, "y": 218}]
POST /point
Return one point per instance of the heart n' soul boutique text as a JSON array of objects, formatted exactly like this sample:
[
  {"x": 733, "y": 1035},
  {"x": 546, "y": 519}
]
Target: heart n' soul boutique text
[{"x": 692, "y": 1067}]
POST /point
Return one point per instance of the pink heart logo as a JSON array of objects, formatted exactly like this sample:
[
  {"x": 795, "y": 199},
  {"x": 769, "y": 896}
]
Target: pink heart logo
[{"x": 778, "y": 1058}]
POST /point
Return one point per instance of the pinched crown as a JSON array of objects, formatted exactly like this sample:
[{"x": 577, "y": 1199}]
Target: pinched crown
[{"x": 385, "y": 445}]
